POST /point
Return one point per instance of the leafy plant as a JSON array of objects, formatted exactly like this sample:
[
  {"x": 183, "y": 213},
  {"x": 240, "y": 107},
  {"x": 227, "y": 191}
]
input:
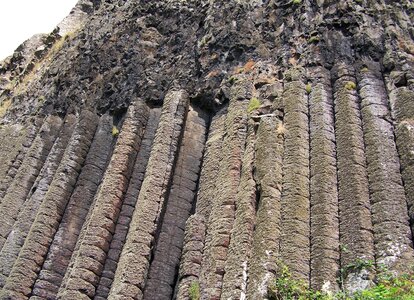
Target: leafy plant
[
  {"x": 115, "y": 131},
  {"x": 393, "y": 288},
  {"x": 194, "y": 291},
  {"x": 297, "y": 1},
  {"x": 232, "y": 79},
  {"x": 308, "y": 88},
  {"x": 350, "y": 85},
  {"x": 253, "y": 104},
  {"x": 313, "y": 39},
  {"x": 358, "y": 265}
]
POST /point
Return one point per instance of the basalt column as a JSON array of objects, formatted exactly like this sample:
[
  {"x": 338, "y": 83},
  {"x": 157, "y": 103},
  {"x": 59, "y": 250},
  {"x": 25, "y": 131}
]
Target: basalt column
[
  {"x": 87, "y": 262},
  {"x": 164, "y": 266},
  {"x": 33, "y": 253},
  {"x": 27, "y": 174},
  {"x": 294, "y": 243},
  {"x": 195, "y": 230},
  {"x": 27, "y": 214},
  {"x": 128, "y": 206},
  {"x": 355, "y": 228},
  {"x": 402, "y": 105},
  {"x": 65, "y": 239},
  {"x": 221, "y": 218},
  {"x": 235, "y": 276},
  {"x": 134, "y": 263},
  {"x": 15, "y": 141},
  {"x": 323, "y": 184},
  {"x": 392, "y": 234},
  {"x": 262, "y": 266}
]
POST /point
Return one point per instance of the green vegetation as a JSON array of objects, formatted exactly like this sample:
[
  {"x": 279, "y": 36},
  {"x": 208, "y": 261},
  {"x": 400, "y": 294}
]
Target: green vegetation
[
  {"x": 308, "y": 88},
  {"x": 395, "y": 288},
  {"x": 194, "y": 291},
  {"x": 355, "y": 267},
  {"x": 350, "y": 85},
  {"x": 387, "y": 288},
  {"x": 233, "y": 80},
  {"x": 297, "y": 1},
  {"x": 253, "y": 104},
  {"x": 313, "y": 39},
  {"x": 115, "y": 131},
  {"x": 285, "y": 287}
]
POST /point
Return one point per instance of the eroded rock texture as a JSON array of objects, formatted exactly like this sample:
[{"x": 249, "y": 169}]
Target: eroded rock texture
[{"x": 157, "y": 149}]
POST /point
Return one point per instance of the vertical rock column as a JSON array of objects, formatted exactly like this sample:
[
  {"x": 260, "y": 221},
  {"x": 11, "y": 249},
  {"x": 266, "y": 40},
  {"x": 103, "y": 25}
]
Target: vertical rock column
[
  {"x": 221, "y": 219},
  {"x": 65, "y": 239},
  {"x": 392, "y": 234},
  {"x": 88, "y": 260},
  {"x": 323, "y": 185},
  {"x": 355, "y": 228},
  {"x": 15, "y": 141},
  {"x": 128, "y": 206},
  {"x": 15, "y": 240},
  {"x": 262, "y": 266},
  {"x": 294, "y": 243},
  {"x": 402, "y": 105},
  {"x": 33, "y": 253},
  {"x": 235, "y": 276},
  {"x": 133, "y": 266},
  {"x": 213, "y": 154},
  {"x": 164, "y": 266},
  {"x": 27, "y": 174},
  {"x": 194, "y": 239}
]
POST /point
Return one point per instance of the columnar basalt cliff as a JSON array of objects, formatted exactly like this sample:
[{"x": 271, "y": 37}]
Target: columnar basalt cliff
[{"x": 162, "y": 149}]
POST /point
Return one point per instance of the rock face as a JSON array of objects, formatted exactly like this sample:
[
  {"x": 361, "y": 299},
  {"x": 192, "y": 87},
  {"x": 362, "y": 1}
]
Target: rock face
[{"x": 157, "y": 149}]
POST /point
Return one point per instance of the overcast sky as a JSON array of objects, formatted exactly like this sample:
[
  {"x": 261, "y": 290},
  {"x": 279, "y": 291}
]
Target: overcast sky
[{"x": 20, "y": 19}]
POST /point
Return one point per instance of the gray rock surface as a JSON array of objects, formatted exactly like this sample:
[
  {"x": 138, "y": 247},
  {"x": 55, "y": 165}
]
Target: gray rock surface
[{"x": 157, "y": 149}]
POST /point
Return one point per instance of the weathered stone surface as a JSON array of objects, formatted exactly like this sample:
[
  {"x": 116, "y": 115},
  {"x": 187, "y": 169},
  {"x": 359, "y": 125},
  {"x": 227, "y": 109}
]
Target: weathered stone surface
[
  {"x": 392, "y": 234},
  {"x": 134, "y": 262},
  {"x": 101, "y": 222},
  {"x": 308, "y": 161},
  {"x": 192, "y": 252},
  {"x": 33, "y": 253},
  {"x": 324, "y": 220},
  {"x": 211, "y": 161},
  {"x": 355, "y": 227},
  {"x": 27, "y": 214},
  {"x": 15, "y": 141},
  {"x": 26, "y": 175},
  {"x": 129, "y": 204},
  {"x": 235, "y": 276},
  {"x": 295, "y": 205},
  {"x": 162, "y": 274},
  {"x": 65, "y": 238},
  {"x": 402, "y": 109},
  {"x": 222, "y": 214},
  {"x": 265, "y": 248}
]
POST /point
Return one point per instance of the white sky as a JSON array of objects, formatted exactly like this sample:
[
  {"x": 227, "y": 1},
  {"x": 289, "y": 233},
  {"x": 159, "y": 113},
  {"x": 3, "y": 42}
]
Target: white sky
[{"x": 20, "y": 19}]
